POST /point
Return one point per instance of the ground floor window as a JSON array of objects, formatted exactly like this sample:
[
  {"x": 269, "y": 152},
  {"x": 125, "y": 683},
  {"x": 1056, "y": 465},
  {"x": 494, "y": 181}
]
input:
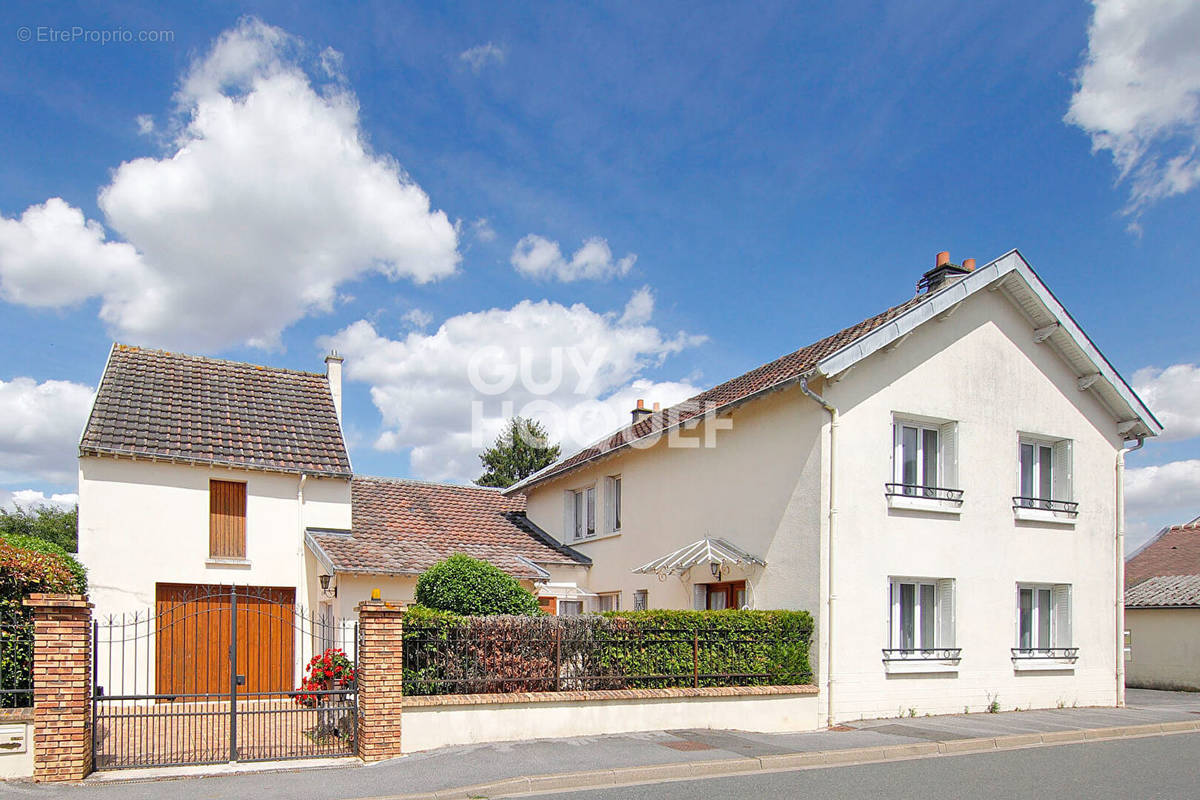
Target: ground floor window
[
  {"x": 641, "y": 600},
  {"x": 921, "y": 615},
  {"x": 718, "y": 596},
  {"x": 610, "y": 601},
  {"x": 1043, "y": 617}
]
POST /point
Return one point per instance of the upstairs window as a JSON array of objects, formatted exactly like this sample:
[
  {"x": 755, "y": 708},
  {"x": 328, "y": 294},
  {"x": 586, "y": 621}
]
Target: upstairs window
[
  {"x": 925, "y": 459},
  {"x": 226, "y": 519},
  {"x": 579, "y": 518},
  {"x": 1044, "y": 475},
  {"x": 613, "y": 504}
]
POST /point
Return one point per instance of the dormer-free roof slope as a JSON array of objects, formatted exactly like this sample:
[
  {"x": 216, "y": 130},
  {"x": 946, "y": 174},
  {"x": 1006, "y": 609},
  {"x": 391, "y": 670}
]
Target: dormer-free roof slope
[
  {"x": 404, "y": 527},
  {"x": 160, "y": 405},
  {"x": 1010, "y": 275},
  {"x": 1173, "y": 551}
]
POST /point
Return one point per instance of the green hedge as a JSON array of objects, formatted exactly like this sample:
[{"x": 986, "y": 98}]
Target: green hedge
[{"x": 449, "y": 654}]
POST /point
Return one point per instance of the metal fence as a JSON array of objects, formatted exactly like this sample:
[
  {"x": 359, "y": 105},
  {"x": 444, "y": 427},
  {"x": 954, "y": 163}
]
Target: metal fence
[
  {"x": 489, "y": 655},
  {"x": 16, "y": 659}
]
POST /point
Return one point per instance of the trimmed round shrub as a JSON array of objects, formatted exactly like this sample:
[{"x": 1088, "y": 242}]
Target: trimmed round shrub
[{"x": 468, "y": 586}]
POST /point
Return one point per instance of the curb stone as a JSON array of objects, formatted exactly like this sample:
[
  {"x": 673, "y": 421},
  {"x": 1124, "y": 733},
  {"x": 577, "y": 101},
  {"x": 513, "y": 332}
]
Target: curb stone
[{"x": 787, "y": 762}]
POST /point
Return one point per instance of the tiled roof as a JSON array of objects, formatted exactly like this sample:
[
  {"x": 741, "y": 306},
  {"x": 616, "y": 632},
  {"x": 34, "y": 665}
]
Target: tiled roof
[
  {"x": 402, "y": 527},
  {"x": 779, "y": 372},
  {"x": 1165, "y": 591},
  {"x": 156, "y": 404},
  {"x": 1174, "y": 551}
]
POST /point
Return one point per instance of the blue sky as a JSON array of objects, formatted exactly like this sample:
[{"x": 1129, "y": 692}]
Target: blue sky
[{"x": 777, "y": 172}]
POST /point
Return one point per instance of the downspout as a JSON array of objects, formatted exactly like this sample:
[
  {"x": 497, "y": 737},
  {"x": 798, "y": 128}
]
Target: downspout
[
  {"x": 833, "y": 434},
  {"x": 1120, "y": 587},
  {"x": 301, "y": 582}
]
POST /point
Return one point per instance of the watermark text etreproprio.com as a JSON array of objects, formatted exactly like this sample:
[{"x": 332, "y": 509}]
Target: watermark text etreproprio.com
[{"x": 78, "y": 34}]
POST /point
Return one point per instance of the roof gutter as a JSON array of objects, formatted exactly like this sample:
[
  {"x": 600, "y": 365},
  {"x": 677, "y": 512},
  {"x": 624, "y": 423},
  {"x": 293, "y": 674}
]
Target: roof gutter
[
  {"x": 1119, "y": 593},
  {"x": 827, "y": 623}
]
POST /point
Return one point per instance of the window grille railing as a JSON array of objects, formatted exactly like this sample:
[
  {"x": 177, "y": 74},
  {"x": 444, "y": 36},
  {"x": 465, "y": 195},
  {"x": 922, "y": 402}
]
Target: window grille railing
[
  {"x": 1045, "y": 504},
  {"x": 922, "y": 654},
  {"x": 1046, "y": 652},
  {"x": 931, "y": 492},
  {"x": 16, "y": 660}
]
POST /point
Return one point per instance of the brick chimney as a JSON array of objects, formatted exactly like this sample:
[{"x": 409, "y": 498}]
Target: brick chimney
[
  {"x": 333, "y": 373},
  {"x": 943, "y": 273},
  {"x": 641, "y": 412}
]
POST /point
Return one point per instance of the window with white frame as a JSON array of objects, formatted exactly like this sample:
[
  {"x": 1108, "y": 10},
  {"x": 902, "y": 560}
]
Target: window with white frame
[
  {"x": 612, "y": 503},
  {"x": 1043, "y": 618},
  {"x": 579, "y": 513},
  {"x": 610, "y": 601},
  {"x": 641, "y": 600},
  {"x": 921, "y": 617},
  {"x": 1044, "y": 474},
  {"x": 924, "y": 457}
]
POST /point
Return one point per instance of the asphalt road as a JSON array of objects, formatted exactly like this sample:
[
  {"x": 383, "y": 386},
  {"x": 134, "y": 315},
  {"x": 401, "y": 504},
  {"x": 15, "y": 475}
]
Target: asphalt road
[{"x": 1146, "y": 769}]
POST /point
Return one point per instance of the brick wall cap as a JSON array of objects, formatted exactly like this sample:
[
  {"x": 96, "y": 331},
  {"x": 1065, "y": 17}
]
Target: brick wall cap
[
  {"x": 53, "y": 600},
  {"x": 379, "y": 607}
]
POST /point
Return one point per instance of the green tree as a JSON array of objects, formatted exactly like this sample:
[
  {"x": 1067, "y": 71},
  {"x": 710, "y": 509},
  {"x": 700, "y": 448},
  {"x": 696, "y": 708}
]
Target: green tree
[
  {"x": 521, "y": 450},
  {"x": 50, "y": 523},
  {"x": 468, "y": 586}
]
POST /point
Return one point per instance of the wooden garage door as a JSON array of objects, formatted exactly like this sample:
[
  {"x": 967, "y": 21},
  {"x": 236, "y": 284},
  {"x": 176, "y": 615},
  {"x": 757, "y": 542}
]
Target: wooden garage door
[{"x": 195, "y": 628}]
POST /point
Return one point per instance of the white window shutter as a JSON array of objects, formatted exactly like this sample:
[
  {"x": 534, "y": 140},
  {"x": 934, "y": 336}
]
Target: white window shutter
[
  {"x": 568, "y": 528},
  {"x": 948, "y": 433},
  {"x": 945, "y": 603},
  {"x": 699, "y": 597},
  {"x": 1062, "y": 616},
  {"x": 1062, "y": 470}
]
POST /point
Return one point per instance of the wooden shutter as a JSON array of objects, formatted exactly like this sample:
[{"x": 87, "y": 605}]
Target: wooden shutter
[
  {"x": 568, "y": 532},
  {"x": 1061, "y": 598},
  {"x": 949, "y": 437},
  {"x": 1062, "y": 470},
  {"x": 945, "y": 612},
  {"x": 226, "y": 519}
]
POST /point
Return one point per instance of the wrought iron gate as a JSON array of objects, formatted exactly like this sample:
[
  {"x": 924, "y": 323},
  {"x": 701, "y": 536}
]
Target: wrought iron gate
[{"x": 218, "y": 673}]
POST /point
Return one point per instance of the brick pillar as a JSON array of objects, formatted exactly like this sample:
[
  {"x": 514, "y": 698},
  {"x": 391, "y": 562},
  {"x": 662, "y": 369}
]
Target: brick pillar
[
  {"x": 62, "y": 676},
  {"x": 380, "y": 680}
]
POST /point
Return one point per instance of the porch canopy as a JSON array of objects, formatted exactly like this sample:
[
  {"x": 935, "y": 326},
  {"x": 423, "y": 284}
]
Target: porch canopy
[{"x": 705, "y": 551}]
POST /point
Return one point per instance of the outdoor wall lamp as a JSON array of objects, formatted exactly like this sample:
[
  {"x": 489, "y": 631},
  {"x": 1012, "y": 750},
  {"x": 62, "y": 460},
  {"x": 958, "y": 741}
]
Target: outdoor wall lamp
[
  {"x": 716, "y": 570},
  {"x": 325, "y": 579}
]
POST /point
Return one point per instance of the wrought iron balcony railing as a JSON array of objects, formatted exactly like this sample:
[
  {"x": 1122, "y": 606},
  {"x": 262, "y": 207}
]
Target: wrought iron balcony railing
[
  {"x": 931, "y": 492},
  {"x": 922, "y": 654},
  {"x": 1046, "y": 652},
  {"x": 1045, "y": 504}
]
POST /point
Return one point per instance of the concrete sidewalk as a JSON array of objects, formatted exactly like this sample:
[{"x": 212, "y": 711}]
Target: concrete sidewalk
[{"x": 503, "y": 769}]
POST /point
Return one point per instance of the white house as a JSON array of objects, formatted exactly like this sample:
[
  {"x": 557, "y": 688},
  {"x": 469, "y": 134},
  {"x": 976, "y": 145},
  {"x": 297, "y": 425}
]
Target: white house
[
  {"x": 939, "y": 484},
  {"x": 197, "y": 474}
]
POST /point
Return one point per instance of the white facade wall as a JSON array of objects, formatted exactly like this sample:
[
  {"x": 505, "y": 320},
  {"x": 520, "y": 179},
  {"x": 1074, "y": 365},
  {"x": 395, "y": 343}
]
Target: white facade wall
[
  {"x": 758, "y": 488},
  {"x": 143, "y": 522},
  {"x": 764, "y": 487},
  {"x": 982, "y": 369}
]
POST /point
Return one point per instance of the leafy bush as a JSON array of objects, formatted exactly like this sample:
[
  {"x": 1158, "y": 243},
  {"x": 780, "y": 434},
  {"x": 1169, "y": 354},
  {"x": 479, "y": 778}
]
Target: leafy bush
[
  {"x": 27, "y": 565},
  {"x": 56, "y": 525},
  {"x": 465, "y": 585},
  {"x": 448, "y": 654}
]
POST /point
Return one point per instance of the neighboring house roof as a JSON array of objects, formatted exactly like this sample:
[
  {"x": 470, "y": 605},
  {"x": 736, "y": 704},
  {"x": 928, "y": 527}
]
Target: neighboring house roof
[
  {"x": 1173, "y": 551},
  {"x": 1165, "y": 591},
  {"x": 159, "y": 405},
  {"x": 403, "y": 527},
  {"x": 834, "y": 355}
]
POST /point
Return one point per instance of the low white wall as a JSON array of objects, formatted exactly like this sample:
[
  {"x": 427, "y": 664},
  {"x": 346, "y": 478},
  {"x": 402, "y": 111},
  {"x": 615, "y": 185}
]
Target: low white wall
[
  {"x": 426, "y": 727},
  {"x": 1164, "y": 648},
  {"x": 14, "y": 764}
]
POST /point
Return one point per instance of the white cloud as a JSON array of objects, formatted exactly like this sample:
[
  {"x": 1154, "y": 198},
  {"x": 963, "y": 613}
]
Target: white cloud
[
  {"x": 482, "y": 228},
  {"x": 31, "y": 498},
  {"x": 1173, "y": 394},
  {"x": 145, "y": 124},
  {"x": 481, "y": 55},
  {"x": 269, "y": 200},
  {"x": 1138, "y": 94},
  {"x": 537, "y": 257},
  {"x": 577, "y": 370},
  {"x": 418, "y": 318},
  {"x": 40, "y": 425},
  {"x": 1158, "y": 496}
]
